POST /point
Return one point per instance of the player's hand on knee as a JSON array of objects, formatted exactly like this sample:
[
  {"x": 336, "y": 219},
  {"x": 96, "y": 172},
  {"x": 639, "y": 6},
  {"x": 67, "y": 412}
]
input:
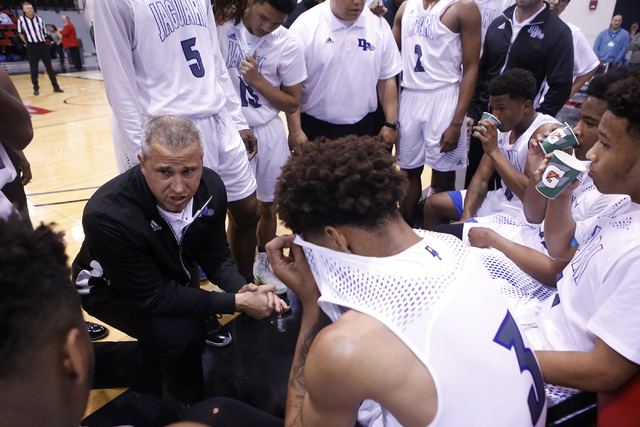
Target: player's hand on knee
[
  {"x": 292, "y": 269},
  {"x": 481, "y": 237}
]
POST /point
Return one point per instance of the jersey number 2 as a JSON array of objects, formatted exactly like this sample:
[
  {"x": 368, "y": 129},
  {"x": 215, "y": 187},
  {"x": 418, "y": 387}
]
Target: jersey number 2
[
  {"x": 418, "y": 68},
  {"x": 190, "y": 53},
  {"x": 509, "y": 337}
]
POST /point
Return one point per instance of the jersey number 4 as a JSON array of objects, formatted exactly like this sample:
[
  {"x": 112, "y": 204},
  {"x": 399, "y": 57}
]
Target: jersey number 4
[
  {"x": 190, "y": 53},
  {"x": 509, "y": 337}
]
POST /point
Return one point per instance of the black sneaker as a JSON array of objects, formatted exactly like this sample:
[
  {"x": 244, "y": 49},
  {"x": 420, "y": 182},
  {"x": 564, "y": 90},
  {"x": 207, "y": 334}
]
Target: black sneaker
[
  {"x": 217, "y": 335},
  {"x": 96, "y": 332},
  {"x": 36, "y": 92},
  {"x": 57, "y": 90}
]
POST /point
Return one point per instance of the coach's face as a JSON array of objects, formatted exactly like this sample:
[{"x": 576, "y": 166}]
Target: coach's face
[
  {"x": 173, "y": 176},
  {"x": 28, "y": 10},
  {"x": 347, "y": 10}
]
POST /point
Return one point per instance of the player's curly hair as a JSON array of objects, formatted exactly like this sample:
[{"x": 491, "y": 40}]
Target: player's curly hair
[
  {"x": 623, "y": 99},
  {"x": 517, "y": 83},
  {"x": 351, "y": 181},
  {"x": 38, "y": 302}
]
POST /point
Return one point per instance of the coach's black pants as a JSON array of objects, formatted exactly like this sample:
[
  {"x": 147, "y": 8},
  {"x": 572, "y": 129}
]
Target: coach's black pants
[
  {"x": 177, "y": 342},
  {"x": 36, "y": 52}
]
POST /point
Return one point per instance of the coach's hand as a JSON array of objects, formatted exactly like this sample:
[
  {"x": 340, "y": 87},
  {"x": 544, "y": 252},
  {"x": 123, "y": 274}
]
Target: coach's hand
[{"x": 255, "y": 301}]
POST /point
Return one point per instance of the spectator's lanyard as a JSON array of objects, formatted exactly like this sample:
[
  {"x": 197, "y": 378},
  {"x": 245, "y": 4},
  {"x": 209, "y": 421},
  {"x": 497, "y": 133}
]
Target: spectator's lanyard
[{"x": 613, "y": 35}]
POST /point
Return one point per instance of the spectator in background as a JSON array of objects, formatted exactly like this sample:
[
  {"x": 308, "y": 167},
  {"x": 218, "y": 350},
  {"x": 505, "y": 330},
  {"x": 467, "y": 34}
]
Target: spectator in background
[
  {"x": 611, "y": 44},
  {"x": 632, "y": 33},
  {"x": 634, "y": 48},
  {"x": 32, "y": 32},
  {"x": 5, "y": 19},
  {"x": 56, "y": 47},
  {"x": 71, "y": 44}
]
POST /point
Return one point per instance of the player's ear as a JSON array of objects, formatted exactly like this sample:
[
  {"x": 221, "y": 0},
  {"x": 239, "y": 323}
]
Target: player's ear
[
  {"x": 336, "y": 240},
  {"x": 528, "y": 105},
  {"x": 77, "y": 357}
]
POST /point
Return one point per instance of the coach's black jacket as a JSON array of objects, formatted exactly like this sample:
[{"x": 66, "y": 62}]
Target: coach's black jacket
[
  {"x": 544, "y": 47},
  {"x": 140, "y": 256}
]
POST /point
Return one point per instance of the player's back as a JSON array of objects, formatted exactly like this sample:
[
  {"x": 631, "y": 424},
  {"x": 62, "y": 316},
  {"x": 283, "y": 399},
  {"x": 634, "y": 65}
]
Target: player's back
[{"x": 438, "y": 299}]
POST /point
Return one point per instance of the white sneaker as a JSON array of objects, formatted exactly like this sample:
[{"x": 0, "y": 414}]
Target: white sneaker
[{"x": 263, "y": 274}]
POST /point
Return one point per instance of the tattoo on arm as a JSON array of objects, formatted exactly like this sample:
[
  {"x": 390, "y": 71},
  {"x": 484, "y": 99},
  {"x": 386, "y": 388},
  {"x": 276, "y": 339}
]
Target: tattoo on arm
[{"x": 297, "y": 381}]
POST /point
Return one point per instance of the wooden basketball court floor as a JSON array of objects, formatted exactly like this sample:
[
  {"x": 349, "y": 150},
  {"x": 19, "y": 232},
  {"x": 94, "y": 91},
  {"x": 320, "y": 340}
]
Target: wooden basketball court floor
[{"x": 71, "y": 155}]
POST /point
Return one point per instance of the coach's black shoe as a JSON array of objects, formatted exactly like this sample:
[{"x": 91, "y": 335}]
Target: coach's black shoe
[
  {"x": 57, "y": 90},
  {"x": 217, "y": 335},
  {"x": 36, "y": 92},
  {"x": 96, "y": 332}
]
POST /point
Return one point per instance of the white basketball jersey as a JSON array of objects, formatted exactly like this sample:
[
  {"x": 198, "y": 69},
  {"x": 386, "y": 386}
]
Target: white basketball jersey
[
  {"x": 431, "y": 53},
  {"x": 280, "y": 58},
  {"x": 174, "y": 47},
  {"x": 517, "y": 152},
  {"x": 598, "y": 293},
  {"x": 440, "y": 301}
]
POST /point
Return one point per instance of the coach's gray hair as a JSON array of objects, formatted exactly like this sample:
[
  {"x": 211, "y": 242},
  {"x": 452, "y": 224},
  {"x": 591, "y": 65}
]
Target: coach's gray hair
[{"x": 173, "y": 132}]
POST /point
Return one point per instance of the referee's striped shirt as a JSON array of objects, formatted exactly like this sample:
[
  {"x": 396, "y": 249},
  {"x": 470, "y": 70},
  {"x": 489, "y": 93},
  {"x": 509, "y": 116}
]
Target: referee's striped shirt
[{"x": 33, "y": 28}]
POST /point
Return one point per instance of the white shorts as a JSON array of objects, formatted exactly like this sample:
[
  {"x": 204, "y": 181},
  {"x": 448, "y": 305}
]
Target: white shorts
[
  {"x": 225, "y": 153},
  {"x": 273, "y": 153},
  {"x": 509, "y": 227},
  {"x": 495, "y": 202},
  {"x": 424, "y": 116}
]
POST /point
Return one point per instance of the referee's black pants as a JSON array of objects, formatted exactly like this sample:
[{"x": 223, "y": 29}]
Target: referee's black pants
[
  {"x": 36, "y": 52},
  {"x": 177, "y": 342}
]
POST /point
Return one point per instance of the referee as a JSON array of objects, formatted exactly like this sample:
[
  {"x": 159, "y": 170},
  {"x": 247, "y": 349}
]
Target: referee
[{"x": 32, "y": 31}]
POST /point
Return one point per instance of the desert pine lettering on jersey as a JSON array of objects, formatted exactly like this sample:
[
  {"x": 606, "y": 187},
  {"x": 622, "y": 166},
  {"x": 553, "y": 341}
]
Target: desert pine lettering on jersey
[{"x": 173, "y": 14}]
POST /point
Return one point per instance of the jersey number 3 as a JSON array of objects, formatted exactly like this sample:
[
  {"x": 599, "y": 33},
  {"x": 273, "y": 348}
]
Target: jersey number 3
[
  {"x": 509, "y": 337},
  {"x": 190, "y": 53}
]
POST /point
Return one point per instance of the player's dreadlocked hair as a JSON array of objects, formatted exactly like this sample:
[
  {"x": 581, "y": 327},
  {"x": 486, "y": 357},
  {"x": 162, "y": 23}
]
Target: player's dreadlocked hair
[
  {"x": 624, "y": 101},
  {"x": 350, "y": 181}
]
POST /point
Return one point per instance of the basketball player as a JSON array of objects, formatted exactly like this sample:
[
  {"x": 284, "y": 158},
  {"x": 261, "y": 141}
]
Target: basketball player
[
  {"x": 593, "y": 322},
  {"x": 524, "y": 243},
  {"x": 506, "y": 150},
  {"x": 397, "y": 298},
  {"x": 266, "y": 64},
  {"x": 134, "y": 38},
  {"x": 440, "y": 44}
]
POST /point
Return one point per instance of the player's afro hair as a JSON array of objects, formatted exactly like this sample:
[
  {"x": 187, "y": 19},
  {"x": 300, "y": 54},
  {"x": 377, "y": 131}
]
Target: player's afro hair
[
  {"x": 623, "y": 100},
  {"x": 351, "y": 181},
  {"x": 517, "y": 83}
]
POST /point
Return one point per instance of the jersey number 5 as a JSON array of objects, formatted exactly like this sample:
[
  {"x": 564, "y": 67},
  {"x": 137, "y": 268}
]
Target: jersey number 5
[
  {"x": 509, "y": 337},
  {"x": 197, "y": 69}
]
